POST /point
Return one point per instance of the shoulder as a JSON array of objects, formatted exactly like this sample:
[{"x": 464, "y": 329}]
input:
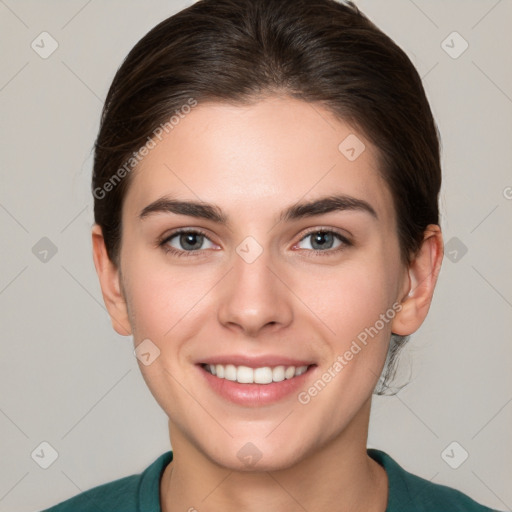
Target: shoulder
[
  {"x": 410, "y": 492},
  {"x": 122, "y": 493},
  {"x": 129, "y": 494}
]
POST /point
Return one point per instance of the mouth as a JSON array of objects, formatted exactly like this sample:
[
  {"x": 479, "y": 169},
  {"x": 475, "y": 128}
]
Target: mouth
[
  {"x": 261, "y": 375},
  {"x": 256, "y": 386}
]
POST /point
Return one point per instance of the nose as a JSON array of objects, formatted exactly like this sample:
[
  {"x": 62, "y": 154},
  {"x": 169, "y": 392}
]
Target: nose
[{"x": 254, "y": 297}]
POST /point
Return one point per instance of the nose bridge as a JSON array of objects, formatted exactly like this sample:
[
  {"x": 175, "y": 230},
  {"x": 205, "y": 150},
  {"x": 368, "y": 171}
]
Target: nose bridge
[{"x": 252, "y": 296}]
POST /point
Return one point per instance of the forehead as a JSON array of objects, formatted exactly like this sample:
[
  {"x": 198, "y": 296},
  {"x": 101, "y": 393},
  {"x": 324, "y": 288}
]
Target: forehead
[{"x": 260, "y": 156}]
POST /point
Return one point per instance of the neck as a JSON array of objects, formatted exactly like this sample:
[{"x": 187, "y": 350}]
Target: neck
[{"x": 337, "y": 476}]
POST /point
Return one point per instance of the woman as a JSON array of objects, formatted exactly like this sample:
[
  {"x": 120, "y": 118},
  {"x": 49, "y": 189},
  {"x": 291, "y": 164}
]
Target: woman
[{"x": 266, "y": 184}]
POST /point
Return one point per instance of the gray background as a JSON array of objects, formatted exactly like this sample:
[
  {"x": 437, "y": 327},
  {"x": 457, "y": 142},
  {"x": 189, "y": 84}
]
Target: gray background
[{"x": 68, "y": 379}]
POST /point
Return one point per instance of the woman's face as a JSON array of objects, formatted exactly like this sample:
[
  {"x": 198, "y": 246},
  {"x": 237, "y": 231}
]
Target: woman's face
[{"x": 261, "y": 286}]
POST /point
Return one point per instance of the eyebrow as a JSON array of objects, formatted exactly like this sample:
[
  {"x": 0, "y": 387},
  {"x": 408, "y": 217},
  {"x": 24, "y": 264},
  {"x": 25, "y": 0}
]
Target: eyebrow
[{"x": 296, "y": 211}]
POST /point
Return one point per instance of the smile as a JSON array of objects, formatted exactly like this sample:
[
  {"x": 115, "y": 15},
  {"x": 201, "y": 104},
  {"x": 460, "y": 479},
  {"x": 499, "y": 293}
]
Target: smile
[{"x": 246, "y": 375}]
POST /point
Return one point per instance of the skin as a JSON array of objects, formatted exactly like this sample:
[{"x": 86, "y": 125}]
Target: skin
[{"x": 252, "y": 162}]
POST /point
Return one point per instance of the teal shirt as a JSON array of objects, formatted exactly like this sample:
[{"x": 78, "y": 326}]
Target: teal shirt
[{"x": 141, "y": 493}]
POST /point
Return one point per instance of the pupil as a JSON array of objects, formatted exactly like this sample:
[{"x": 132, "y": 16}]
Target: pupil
[
  {"x": 187, "y": 241},
  {"x": 323, "y": 240}
]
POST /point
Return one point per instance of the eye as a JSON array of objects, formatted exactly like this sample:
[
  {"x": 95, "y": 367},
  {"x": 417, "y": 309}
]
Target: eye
[
  {"x": 323, "y": 240},
  {"x": 183, "y": 241},
  {"x": 189, "y": 242}
]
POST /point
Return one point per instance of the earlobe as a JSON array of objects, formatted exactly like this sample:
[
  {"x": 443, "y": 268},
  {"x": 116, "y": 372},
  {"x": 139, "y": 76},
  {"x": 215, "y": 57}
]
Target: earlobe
[
  {"x": 109, "y": 277},
  {"x": 422, "y": 272}
]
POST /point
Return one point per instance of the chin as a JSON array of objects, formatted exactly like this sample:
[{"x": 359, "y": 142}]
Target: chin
[{"x": 255, "y": 456}]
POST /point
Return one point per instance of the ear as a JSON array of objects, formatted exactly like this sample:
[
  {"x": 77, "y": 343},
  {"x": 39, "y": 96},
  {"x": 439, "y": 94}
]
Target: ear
[
  {"x": 422, "y": 277},
  {"x": 109, "y": 277}
]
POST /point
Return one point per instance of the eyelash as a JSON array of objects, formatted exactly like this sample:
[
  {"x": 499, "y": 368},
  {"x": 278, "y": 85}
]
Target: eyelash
[{"x": 175, "y": 252}]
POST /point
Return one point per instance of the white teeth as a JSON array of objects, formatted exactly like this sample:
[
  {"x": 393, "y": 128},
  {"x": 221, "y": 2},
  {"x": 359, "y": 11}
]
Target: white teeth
[
  {"x": 245, "y": 375},
  {"x": 278, "y": 374},
  {"x": 230, "y": 372},
  {"x": 300, "y": 370},
  {"x": 290, "y": 372},
  {"x": 263, "y": 375}
]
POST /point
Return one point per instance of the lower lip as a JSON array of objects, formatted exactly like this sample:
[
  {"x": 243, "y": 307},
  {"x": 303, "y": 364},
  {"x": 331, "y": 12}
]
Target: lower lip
[{"x": 254, "y": 395}]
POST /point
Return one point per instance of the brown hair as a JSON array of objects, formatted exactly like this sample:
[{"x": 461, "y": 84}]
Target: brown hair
[{"x": 238, "y": 51}]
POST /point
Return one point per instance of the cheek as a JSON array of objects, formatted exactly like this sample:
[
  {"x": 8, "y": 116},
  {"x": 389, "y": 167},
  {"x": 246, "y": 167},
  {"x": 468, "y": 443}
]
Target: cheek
[
  {"x": 342, "y": 300},
  {"x": 355, "y": 302},
  {"x": 356, "y": 305},
  {"x": 165, "y": 305},
  {"x": 348, "y": 299},
  {"x": 160, "y": 298}
]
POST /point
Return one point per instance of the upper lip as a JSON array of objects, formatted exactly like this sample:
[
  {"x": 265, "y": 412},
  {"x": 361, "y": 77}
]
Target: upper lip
[{"x": 255, "y": 361}]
